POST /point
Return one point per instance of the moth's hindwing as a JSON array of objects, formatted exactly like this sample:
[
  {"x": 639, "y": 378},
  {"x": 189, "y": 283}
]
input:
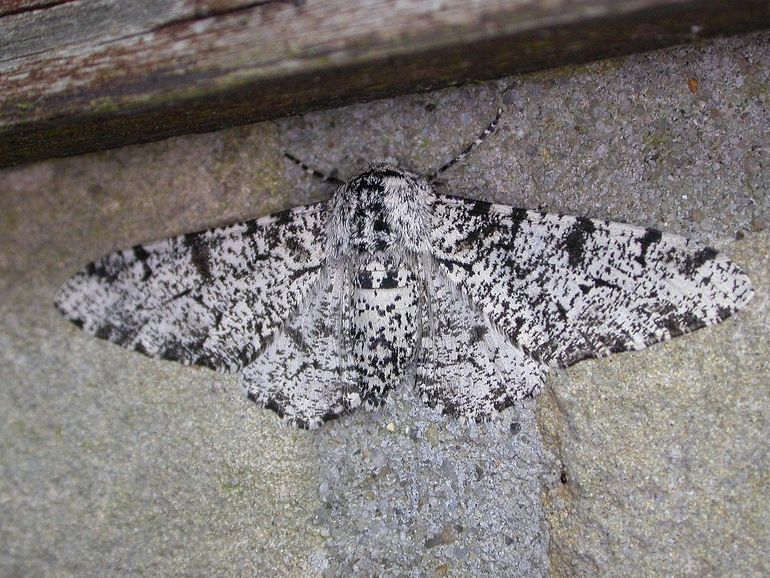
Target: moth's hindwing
[
  {"x": 467, "y": 368},
  {"x": 301, "y": 374}
]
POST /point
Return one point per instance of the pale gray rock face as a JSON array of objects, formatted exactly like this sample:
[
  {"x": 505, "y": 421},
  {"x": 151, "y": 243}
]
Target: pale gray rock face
[{"x": 666, "y": 452}]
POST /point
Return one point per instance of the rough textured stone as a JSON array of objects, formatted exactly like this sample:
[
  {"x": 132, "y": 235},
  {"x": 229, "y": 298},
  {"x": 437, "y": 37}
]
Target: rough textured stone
[
  {"x": 666, "y": 451},
  {"x": 115, "y": 464}
]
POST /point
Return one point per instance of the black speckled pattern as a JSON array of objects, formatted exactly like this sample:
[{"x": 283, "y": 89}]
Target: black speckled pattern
[{"x": 327, "y": 307}]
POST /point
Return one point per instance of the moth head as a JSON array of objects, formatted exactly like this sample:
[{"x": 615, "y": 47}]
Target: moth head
[{"x": 383, "y": 210}]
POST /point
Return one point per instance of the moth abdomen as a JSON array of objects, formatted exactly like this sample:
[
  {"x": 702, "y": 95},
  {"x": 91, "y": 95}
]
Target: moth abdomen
[{"x": 383, "y": 327}]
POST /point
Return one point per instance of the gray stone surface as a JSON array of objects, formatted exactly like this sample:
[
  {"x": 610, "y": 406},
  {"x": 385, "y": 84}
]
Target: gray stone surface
[
  {"x": 114, "y": 463},
  {"x": 666, "y": 452}
]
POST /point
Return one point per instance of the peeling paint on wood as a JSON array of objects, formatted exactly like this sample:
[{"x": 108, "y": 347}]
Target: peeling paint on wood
[{"x": 80, "y": 75}]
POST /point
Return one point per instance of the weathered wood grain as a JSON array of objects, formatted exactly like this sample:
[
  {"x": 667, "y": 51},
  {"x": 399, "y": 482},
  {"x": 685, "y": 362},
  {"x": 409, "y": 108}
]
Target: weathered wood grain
[{"x": 83, "y": 75}]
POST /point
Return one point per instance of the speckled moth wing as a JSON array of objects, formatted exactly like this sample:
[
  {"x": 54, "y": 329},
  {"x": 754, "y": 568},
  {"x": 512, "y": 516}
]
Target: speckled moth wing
[
  {"x": 213, "y": 298},
  {"x": 466, "y": 367},
  {"x": 300, "y": 373},
  {"x": 564, "y": 288}
]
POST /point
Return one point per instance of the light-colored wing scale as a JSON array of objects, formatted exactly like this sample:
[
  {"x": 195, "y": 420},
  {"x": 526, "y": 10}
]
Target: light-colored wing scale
[
  {"x": 466, "y": 367},
  {"x": 213, "y": 298},
  {"x": 565, "y": 288}
]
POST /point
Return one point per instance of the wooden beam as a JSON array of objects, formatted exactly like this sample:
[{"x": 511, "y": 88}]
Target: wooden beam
[{"x": 83, "y": 75}]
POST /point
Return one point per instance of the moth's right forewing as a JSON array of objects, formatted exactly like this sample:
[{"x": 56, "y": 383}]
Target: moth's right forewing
[{"x": 566, "y": 288}]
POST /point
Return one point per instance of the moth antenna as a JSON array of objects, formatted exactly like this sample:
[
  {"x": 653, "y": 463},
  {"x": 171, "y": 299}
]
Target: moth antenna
[
  {"x": 311, "y": 171},
  {"x": 467, "y": 150}
]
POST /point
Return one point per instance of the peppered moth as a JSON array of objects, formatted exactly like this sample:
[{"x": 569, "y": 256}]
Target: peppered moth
[{"x": 328, "y": 306}]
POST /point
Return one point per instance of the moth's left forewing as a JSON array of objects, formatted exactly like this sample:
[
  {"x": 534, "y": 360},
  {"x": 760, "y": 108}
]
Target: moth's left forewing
[
  {"x": 213, "y": 298},
  {"x": 565, "y": 288}
]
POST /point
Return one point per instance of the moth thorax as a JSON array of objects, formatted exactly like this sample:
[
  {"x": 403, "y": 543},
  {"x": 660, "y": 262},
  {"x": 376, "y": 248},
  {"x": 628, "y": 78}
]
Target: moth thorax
[{"x": 382, "y": 210}]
